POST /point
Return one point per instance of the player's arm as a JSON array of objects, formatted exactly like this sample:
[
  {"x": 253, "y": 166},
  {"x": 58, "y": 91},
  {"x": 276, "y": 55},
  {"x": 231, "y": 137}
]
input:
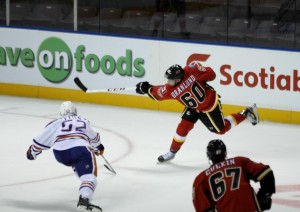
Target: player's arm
[
  {"x": 267, "y": 180},
  {"x": 94, "y": 139},
  {"x": 154, "y": 92},
  {"x": 43, "y": 141},
  {"x": 261, "y": 173},
  {"x": 200, "y": 197},
  {"x": 97, "y": 146},
  {"x": 32, "y": 152},
  {"x": 204, "y": 73},
  {"x": 267, "y": 188},
  {"x": 35, "y": 149}
]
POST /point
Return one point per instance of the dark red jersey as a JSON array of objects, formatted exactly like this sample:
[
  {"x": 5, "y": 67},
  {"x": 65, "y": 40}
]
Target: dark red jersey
[
  {"x": 225, "y": 186},
  {"x": 192, "y": 91}
]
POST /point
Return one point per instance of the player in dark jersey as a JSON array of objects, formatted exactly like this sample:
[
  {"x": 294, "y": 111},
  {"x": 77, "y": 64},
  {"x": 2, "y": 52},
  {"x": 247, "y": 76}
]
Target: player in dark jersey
[
  {"x": 225, "y": 185},
  {"x": 189, "y": 86}
]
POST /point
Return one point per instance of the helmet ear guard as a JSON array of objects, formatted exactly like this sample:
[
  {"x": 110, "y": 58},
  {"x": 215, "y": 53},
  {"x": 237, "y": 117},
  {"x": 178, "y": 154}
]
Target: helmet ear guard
[
  {"x": 216, "y": 150},
  {"x": 67, "y": 108}
]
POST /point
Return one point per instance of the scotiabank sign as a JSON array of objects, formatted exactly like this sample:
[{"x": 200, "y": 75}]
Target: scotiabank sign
[{"x": 265, "y": 78}]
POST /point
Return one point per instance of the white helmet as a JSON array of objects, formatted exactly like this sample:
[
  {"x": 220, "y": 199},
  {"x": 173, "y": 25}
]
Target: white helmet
[{"x": 68, "y": 108}]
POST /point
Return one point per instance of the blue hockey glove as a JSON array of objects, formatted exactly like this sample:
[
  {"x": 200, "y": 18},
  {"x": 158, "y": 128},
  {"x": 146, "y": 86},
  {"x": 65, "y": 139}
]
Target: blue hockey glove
[
  {"x": 99, "y": 150},
  {"x": 31, "y": 154}
]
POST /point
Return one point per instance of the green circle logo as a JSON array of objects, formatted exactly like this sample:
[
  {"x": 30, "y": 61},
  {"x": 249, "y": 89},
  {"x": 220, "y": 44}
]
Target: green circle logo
[{"x": 54, "y": 60}]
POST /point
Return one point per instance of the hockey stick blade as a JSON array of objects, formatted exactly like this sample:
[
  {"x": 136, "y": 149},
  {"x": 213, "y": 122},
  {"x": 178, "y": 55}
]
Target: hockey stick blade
[
  {"x": 108, "y": 166},
  {"x": 80, "y": 84},
  {"x": 86, "y": 90}
]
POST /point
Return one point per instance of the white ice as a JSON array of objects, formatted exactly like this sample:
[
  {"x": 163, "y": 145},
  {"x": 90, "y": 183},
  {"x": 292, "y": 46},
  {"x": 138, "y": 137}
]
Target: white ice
[{"x": 133, "y": 138}]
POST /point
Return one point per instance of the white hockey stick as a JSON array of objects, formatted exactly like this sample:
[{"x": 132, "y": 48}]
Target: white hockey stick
[
  {"x": 86, "y": 90},
  {"x": 108, "y": 166}
]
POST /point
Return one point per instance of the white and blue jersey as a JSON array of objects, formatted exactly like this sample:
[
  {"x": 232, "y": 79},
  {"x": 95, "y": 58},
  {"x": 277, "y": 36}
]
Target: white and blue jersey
[
  {"x": 73, "y": 142},
  {"x": 65, "y": 133}
]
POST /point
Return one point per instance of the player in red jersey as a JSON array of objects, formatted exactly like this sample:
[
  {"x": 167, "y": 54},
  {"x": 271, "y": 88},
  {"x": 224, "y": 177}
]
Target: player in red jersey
[
  {"x": 225, "y": 185},
  {"x": 189, "y": 86}
]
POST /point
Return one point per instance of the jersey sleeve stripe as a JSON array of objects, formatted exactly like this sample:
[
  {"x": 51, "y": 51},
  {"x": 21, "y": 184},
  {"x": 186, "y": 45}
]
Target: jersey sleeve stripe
[
  {"x": 264, "y": 173},
  {"x": 151, "y": 96},
  {"x": 36, "y": 149},
  {"x": 96, "y": 139},
  {"x": 37, "y": 145}
]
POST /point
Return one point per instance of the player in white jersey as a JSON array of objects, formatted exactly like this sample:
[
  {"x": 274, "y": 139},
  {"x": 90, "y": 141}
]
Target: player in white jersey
[{"x": 74, "y": 144}]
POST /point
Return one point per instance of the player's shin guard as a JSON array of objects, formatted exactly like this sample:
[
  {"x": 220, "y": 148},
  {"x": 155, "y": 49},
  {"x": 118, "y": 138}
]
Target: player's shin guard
[
  {"x": 88, "y": 185},
  {"x": 232, "y": 121},
  {"x": 176, "y": 144},
  {"x": 235, "y": 119},
  {"x": 183, "y": 129}
]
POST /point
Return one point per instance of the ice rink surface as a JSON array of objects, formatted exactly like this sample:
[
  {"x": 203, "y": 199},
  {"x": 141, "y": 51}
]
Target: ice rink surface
[{"x": 133, "y": 140}]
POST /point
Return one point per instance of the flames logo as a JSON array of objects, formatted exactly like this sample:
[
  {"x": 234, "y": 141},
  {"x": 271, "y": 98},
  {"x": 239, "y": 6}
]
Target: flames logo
[{"x": 196, "y": 59}]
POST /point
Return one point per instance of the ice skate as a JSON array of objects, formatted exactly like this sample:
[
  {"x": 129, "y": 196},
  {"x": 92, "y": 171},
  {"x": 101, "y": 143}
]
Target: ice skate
[
  {"x": 251, "y": 114},
  {"x": 166, "y": 157},
  {"x": 85, "y": 205}
]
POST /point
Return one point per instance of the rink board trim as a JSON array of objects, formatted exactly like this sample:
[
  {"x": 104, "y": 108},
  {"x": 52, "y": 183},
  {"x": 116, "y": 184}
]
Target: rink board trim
[{"x": 282, "y": 116}]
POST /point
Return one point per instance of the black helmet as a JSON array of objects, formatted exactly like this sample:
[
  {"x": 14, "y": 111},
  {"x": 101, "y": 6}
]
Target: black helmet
[
  {"x": 216, "y": 150},
  {"x": 174, "y": 72},
  {"x": 174, "y": 75}
]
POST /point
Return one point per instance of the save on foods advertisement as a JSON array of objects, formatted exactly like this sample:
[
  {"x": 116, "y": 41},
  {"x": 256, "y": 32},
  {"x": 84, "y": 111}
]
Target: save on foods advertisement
[{"x": 53, "y": 59}]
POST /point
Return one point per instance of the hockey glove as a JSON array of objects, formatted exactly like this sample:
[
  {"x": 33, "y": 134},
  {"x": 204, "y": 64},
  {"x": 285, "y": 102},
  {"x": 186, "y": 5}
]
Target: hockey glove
[
  {"x": 264, "y": 199},
  {"x": 31, "y": 154},
  {"x": 143, "y": 87},
  {"x": 99, "y": 150}
]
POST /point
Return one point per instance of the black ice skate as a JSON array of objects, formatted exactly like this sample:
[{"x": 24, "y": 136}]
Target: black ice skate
[
  {"x": 166, "y": 157},
  {"x": 85, "y": 205},
  {"x": 251, "y": 114}
]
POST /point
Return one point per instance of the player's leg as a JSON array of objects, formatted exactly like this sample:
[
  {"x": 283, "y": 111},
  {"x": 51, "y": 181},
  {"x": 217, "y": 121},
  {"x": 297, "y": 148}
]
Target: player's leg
[
  {"x": 84, "y": 165},
  {"x": 86, "y": 168},
  {"x": 217, "y": 123},
  {"x": 250, "y": 113},
  {"x": 214, "y": 120},
  {"x": 188, "y": 119}
]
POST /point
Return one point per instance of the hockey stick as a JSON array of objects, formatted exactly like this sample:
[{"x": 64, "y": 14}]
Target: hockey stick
[
  {"x": 86, "y": 90},
  {"x": 108, "y": 166}
]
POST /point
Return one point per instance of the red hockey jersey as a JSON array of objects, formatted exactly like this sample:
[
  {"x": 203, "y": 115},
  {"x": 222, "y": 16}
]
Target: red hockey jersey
[
  {"x": 192, "y": 91},
  {"x": 225, "y": 186}
]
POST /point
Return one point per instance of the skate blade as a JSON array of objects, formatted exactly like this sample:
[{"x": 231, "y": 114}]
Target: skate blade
[
  {"x": 164, "y": 162},
  {"x": 255, "y": 111},
  {"x": 83, "y": 208}
]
